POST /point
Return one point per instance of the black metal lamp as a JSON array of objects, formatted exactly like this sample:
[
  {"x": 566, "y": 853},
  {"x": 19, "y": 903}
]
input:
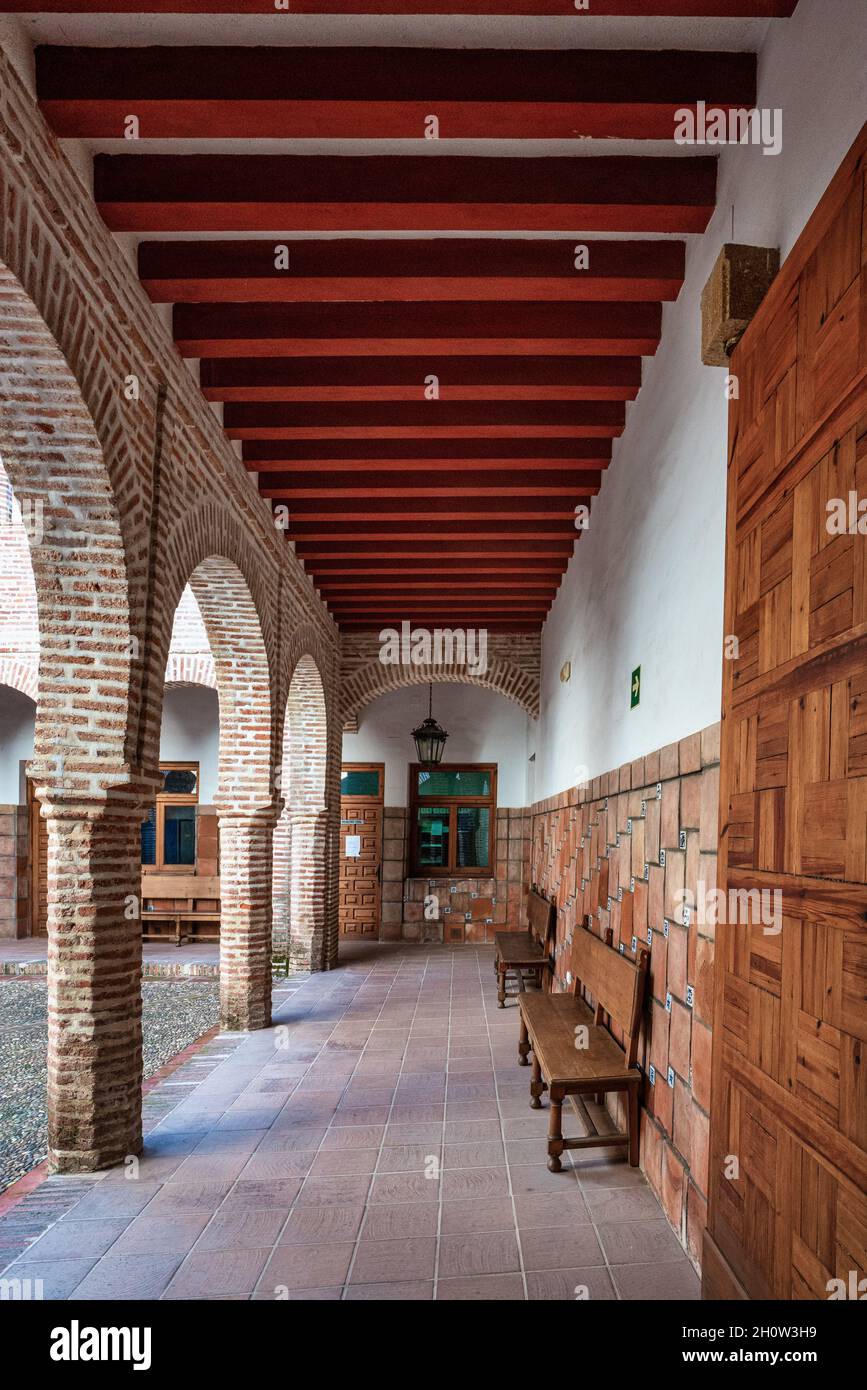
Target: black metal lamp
[{"x": 430, "y": 737}]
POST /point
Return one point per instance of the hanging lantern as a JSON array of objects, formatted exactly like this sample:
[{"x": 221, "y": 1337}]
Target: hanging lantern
[{"x": 430, "y": 738}]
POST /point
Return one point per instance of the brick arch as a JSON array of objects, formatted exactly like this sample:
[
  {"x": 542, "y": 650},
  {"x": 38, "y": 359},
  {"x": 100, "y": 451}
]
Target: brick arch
[
  {"x": 375, "y": 679},
  {"x": 242, "y": 678},
  {"x": 53, "y": 458},
  {"x": 209, "y": 552},
  {"x": 20, "y": 675},
  {"x": 300, "y": 902},
  {"x": 191, "y": 668}
]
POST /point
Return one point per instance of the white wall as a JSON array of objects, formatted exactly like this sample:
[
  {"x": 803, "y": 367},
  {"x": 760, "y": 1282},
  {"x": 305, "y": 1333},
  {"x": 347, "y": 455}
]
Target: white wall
[
  {"x": 483, "y": 727},
  {"x": 17, "y": 723},
  {"x": 191, "y": 733},
  {"x": 645, "y": 586}
]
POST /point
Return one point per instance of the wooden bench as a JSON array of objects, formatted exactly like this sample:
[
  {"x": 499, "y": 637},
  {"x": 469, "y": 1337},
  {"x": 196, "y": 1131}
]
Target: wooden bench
[
  {"x": 517, "y": 951},
  {"x": 185, "y": 892},
  {"x": 574, "y": 1054}
]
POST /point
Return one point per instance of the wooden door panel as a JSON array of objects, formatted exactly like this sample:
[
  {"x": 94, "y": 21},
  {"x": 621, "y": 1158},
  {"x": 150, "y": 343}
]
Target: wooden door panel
[
  {"x": 360, "y": 876},
  {"x": 788, "y": 1170}
]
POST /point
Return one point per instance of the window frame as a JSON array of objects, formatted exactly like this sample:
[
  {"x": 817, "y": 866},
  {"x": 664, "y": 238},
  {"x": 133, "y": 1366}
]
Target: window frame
[
  {"x": 164, "y": 799},
  {"x": 416, "y": 800}
]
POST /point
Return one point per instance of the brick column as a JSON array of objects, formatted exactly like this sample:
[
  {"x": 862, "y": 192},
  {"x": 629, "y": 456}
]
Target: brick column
[
  {"x": 308, "y": 891},
  {"x": 94, "y": 977},
  {"x": 246, "y": 847}
]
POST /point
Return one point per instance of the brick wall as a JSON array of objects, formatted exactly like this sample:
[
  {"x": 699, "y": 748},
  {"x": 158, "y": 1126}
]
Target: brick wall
[
  {"x": 470, "y": 909},
  {"x": 616, "y": 854},
  {"x": 513, "y": 667}
]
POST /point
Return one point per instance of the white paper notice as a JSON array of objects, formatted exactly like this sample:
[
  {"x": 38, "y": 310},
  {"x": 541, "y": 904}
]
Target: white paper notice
[{"x": 353, "y": 846}]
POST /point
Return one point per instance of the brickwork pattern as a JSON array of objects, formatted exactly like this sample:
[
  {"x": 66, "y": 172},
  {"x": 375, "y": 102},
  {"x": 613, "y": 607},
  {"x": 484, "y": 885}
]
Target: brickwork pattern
[
  {"x": 471, "y": 909},
  {"x": 513, "y": 669},
  {"x": 618, "y": 854}
]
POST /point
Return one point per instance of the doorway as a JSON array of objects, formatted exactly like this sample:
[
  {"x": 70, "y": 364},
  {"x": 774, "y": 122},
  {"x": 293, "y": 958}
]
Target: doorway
[{"x": 361, "y": 802}]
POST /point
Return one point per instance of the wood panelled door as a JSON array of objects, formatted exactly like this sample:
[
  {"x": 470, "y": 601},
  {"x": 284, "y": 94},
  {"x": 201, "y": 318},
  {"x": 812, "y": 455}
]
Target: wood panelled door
[
  {"x": 788, "y": 1184},
  {"x": 361, "y": 848}
]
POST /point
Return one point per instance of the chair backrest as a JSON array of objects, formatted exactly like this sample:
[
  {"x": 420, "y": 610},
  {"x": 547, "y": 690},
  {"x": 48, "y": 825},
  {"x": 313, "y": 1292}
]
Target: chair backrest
[
  {"x": 541, "y": 918},
  {"x": 204, "y": 886},
  {"x": 616, "y": 983}
]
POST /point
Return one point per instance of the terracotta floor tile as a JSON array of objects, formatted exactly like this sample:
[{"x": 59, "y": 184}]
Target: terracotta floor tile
[
  {"x": 52, "y": 1278},
  {"x": 403, "y": 1187},
  {"x": 321, "y": 1225},
  {"x": 639, "y": 1242},
  {"x": 465, "y": 1184},
  {"x": 492, "y": 1252},
  {"x": 307, "y": 1266},
  {"x": 161, "y": 1235},
  {"x": 128, "y": 1277},
  {"x": 380, "y": 1261},
  {"x": 535, "y": 1179},
  {"x": 571, "y": 1285},
  {"x": 418, "y": 1292},
  {"x": 663, "y": 1282},
  {"x": 487, "y": 1214},
  {"x": 560, "y": 1248},
  {"x": 556, "y": 1209},
  {"x": 401, "y": 1219},
  {"x": 215, "y": 1272},
  {"x": 485, "y": 1287},
  {"x": 72, "y": 1240},
  {"x": 277, "y": 1164},
  {"x": 339, "y": 1192},
  {"x": 622, "y": 1203},
  {"x": 241, "y": 1230},
  {"x": 486, "y": 1154},
  {"x": 343, "y": 1162},
  {"x": 276, "y": 1195}
]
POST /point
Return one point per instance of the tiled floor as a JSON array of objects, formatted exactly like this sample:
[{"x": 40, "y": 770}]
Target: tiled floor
[{"x": 376, "y": 1143}]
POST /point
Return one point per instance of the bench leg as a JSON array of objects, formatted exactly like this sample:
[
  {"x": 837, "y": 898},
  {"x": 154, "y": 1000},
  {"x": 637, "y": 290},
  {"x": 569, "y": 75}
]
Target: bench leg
[
  {"x": 633, "y": 1127},
  {"x": 501, "y": 987},
  {"x": 555, "y": 1129},
  {"x": 537, "y": 1085},
  {"x": 523, "y": 1044}
]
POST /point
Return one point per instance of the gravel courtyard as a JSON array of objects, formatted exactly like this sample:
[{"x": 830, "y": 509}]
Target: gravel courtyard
[{"x": 175, "y": 1013}]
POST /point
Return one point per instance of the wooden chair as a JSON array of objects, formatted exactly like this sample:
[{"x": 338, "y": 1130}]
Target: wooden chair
[
  {"x": 518, "y": 951},
  {"x": 574, "y": 1054},
  {"x": 183, "y": 893}
]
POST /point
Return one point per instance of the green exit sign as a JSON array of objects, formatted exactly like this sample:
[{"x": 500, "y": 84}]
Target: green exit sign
[{"x": 635, "y": 688}]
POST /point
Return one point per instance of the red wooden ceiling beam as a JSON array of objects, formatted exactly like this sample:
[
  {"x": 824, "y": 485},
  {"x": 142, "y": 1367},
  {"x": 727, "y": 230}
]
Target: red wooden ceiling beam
[
  {"x": 266, "y": 330},
  {"x": 382, "y": 379},
  {"x": 491, "y": 587},
  {"x": 395, "y": 455},
  {"x": 497, "y": 534},
  {"x": 459, "y": 570},
  {"x": 504, "y": 625},
  {"x": 466, "y": 512},
  {"x": 729, "y": 9},
  {"x": 463, "y": 483},
  {"x": 373, "y": 553},
  {"x": 201, "y": 93},
  {"x": 426, "y": 419},
  {"x": 451, "y": 268},
  {"x": 403, "y": 193}
]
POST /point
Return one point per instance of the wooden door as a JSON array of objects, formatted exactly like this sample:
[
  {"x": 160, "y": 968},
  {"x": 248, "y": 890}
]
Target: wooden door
[
  {"x": 38, "y": 873},
  {"x": 788, "y": 1146},
  {"x": 361, "y": 849}
]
